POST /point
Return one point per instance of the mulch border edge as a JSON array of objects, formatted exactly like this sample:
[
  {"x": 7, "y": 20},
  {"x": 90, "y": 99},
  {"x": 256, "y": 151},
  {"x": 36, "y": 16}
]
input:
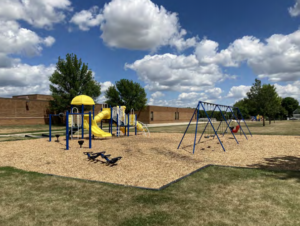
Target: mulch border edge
[{"x": 164, "y": 186}]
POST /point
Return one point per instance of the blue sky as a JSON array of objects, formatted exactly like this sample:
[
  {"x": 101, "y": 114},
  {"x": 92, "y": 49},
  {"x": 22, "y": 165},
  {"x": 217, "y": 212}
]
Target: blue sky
[{"x": 180, "y": 51}]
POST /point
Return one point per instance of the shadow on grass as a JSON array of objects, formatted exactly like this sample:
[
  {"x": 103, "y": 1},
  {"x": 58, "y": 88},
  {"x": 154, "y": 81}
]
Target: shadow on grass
[{"x": 290, "y": 166}]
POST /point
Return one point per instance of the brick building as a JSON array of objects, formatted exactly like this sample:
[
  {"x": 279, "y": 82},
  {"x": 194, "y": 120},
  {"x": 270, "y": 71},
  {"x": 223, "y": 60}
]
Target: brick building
[
  {"x": 32, "y": 109},
  {"x": 160, "y": 114}
]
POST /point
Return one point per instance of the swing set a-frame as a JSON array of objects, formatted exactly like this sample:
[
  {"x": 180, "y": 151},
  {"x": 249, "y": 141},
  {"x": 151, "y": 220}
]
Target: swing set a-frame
[{"x": 223, "y": 109}]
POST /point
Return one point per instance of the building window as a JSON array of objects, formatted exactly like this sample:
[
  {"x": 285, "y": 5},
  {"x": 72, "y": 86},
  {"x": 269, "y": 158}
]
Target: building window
[
  {"x": 176, "y": 115},
  {"x": 151, "y": 116}
]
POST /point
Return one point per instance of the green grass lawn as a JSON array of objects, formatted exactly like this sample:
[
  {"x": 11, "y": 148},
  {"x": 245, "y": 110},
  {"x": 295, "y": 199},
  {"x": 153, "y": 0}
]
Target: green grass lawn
[
  {"x": 212, "y": 196},
  {"x": 14, "y": 129}
]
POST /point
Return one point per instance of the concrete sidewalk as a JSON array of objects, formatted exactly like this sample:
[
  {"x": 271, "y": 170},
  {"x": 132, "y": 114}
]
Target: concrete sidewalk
[{"x": 172, "y": 124}]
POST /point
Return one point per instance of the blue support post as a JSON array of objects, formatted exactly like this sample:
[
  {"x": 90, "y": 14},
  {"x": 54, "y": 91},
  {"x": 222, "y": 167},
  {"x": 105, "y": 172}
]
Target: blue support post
[
  {"x": 128, "y": 126},
  {"x": 222, "y": 121},
  {"x": 212, "y": 113},
  {"x": 228, "y": 125},
  {"x": 196, "y": 128},
  {"x": 238, "y": 123},
  {"x": 187, "y": 128},
  {"x": 82, "y": 113},
  {"x": 50, "y": 127},
  {"x": 67, "y": 130},
  {"x": 90, "y": 130},
  {"x": 212, "y": 127},
  {"x": 117, "y": 124},
  {"x": 244, "y": 121},
  {"x": 110, "y": 124}
]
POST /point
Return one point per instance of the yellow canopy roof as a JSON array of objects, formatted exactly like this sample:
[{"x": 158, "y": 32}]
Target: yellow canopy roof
[{"x": 82, "y": 100}]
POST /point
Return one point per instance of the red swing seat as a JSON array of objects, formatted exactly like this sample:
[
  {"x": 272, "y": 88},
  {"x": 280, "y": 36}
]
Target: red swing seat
[{"x": 236, "y": 129}]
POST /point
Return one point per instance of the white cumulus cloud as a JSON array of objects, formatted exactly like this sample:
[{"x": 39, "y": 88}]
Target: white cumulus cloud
[
  {"x": 289, "y": 90},
  {"x": 189, "y": 99},
  {"x": 38, "y": 13},
  {"x": 178, "y": 73},
  {"x": 24, "y": 79},
  {"x": 17, "y": 40},
  {"x": 87, "y": 18},
  {"x": 276, "y": 58},
  {"x": 295, "y": 10},
  {"x": 104, "y": 87},
  {"x": 136, "y": 25},
  {"x": 238, "y": 92},
  {"x": 157, "y": 95}
]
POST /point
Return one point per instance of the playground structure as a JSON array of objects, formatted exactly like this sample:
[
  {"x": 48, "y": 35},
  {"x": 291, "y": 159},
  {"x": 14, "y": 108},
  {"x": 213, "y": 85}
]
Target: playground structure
[
  {"x": 257, "y": 118},
  {"x": 76, "y": 122},
  {"x": 206, "y": 108}
]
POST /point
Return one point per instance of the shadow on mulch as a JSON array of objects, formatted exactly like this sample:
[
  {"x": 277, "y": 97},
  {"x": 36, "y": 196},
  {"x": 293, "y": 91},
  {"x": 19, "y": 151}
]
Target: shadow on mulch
[{"x": 288, "y": 165}]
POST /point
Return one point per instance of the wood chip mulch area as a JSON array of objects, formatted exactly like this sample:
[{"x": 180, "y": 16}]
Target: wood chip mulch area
[{"x": 150, "y": 161}]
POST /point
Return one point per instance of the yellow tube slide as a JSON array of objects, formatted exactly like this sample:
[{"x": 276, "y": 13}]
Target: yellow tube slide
[
  {"x": 104, "y": 114},
  {"x": 139, "y": 127}
]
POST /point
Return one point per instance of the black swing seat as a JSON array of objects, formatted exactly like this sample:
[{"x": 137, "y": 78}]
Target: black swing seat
[{"x": 206, "y": 136}]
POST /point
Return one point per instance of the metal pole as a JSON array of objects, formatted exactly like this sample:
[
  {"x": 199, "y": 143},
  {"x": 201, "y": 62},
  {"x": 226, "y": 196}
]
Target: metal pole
[
  {"x": 117, "y": 125},
  {"x": 82, "y": 115},
  {"x": 90, "y": 130},
  {"x": 212, "y": 113},
  {"x": 49, "y": 127},
  {"x": 196, "y": 128},
  {"x": 238, "y": 123},
  {"x": 187, "y": 128},
  {"x": 128, "y": 126},
  {"x": 110, "y": 124},
  {"x": 222, "y": 120},
  {"x": 244, "y": 121},
  {"x": 228, "y": 126},
  {"x": 213, "y": 128},
  {"x": 67, "y": 130}
]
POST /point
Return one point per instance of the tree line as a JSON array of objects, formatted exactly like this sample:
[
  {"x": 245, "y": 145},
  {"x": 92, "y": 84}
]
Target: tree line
[
  {"x": 72, "y": 77},
  {"x": 263, "y": 99}
]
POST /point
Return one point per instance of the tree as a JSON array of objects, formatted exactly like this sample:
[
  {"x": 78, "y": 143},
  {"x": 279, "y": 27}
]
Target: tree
[
  {"x": 243, "y": 107},
  {"x": 282, "y": 113},
  {"x": 127, "y": 93},
  {"x": 290, "y": 104},
  {"x": 253, "y": 98},
  {"x": 264, "y": 100},
  {"x": 269, "y": 102},
  {"x": 71, "y": 78}
]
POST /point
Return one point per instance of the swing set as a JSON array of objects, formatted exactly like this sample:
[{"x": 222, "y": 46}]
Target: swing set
[{"x": 209, "y": 110}]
